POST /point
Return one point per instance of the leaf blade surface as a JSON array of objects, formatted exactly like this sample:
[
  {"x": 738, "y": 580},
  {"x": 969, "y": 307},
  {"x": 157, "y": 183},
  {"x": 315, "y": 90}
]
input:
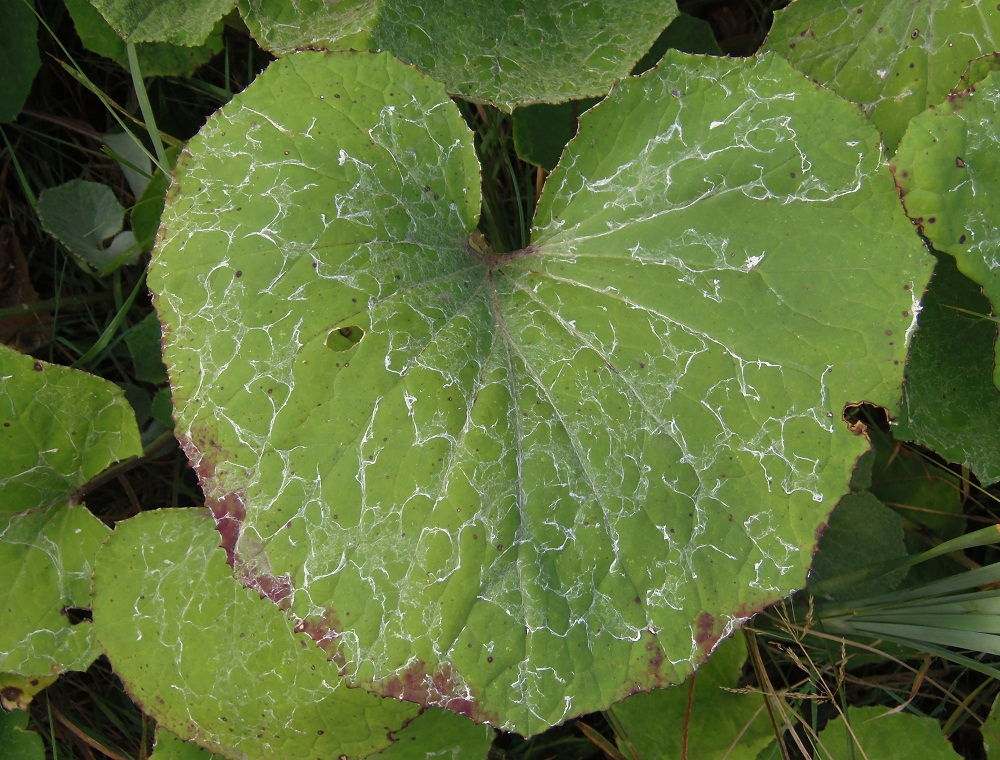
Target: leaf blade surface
[{"x": 543, "y": 480}]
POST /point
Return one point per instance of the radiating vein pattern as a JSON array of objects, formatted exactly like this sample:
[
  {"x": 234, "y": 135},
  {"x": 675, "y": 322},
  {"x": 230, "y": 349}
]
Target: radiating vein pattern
[{"x": 537, "y": 482}]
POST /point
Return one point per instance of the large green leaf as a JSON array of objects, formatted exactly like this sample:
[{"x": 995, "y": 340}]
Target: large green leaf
[
  {"x": 523, "y": 486},
  {"x": 213, "y": 663},
  {"x": 950, "y": 402},
  {"x": 893, "y": 58},
  {"x": 58, "y": 428},
  {"x": 506, "y": 53},
  {"x": 948, "y": 171}
]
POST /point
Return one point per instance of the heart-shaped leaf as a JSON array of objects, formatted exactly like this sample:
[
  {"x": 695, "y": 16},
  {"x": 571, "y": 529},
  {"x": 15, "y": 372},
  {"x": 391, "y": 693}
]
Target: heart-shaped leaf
[{"x": 523, "y": 486}]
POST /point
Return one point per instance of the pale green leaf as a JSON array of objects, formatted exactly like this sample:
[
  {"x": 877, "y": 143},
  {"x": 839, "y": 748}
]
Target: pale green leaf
[
  {"x": 439, "y": 734},
  {"x": 507, "y": 53},
  {"x": 211, "y": 661},
  {"x": 46, "y": 560},
  {"x": 524, "y": 486},
  {"x": 17, "y": 691},
  {"x": 284, "y": 26},
  {"x": 893, "y": 58},
  {"x": 58, "y": 428}
]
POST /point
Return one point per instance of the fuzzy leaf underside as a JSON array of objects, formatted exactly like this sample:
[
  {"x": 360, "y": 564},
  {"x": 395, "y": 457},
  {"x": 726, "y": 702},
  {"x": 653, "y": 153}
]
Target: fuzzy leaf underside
[{"x": 525, "y": 486}]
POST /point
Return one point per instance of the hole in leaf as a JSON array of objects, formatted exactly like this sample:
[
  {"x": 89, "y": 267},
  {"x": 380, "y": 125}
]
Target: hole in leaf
[
  {"x": 77, "y": 615},
  {"x": 10, "y": 698},
  {"x": 860, "y": 417},
  {"x": 344, "y": 338}
]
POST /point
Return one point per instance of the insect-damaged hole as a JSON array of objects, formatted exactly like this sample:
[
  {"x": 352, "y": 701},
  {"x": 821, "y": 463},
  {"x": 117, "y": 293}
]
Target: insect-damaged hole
[
  {"x": 859, "y": 417},
  {"x": 344, "y": 338},
  {"x": 77, "y": 615}
]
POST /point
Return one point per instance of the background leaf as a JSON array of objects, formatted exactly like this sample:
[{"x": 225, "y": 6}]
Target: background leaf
[
  {"x": 948, "y": 171},
  {"x": 58, "y": 428},
  {"x": 718, "y": 722},
  {"x": 991, "y": 733},
  {"x": 861, "y": 530},
  {"x": 893, "y": 58},
  {"x": 503, "y": 53},
  {"x": 180, "y": 22},
  {"x": 541, "y": 130},
  {"x": 212, "y": 662},
  {"x": 878, "y": 733},
  {"x": 87, "y": 218},
  {"x": 155, "y": 58},
  {"x": 19, "y": 59}
]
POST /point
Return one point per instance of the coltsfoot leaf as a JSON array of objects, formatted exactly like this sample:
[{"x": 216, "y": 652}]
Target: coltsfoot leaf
[{"x": 543, "y": 480}]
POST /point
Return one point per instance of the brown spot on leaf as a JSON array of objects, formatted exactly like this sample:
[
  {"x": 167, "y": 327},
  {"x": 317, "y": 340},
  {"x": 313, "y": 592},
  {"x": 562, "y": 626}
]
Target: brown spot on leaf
[
  {"x": 441, "y": 688},
  {"x": 705, "y": 634}
]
